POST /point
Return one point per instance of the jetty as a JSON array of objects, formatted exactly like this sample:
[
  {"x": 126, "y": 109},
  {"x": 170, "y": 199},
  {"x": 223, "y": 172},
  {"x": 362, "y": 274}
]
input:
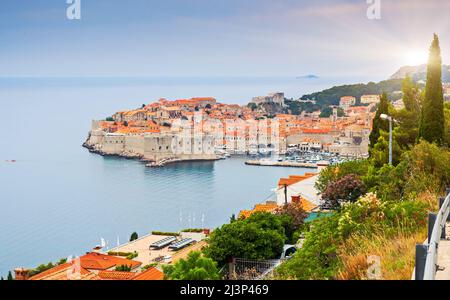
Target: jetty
[
  {"x": 268, "y": 163},
  {"x": 170, "y": 160}
]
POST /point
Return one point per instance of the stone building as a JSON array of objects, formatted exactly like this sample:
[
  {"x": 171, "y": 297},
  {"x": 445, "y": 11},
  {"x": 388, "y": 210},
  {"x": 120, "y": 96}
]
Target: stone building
[
  {"x": 277, "y": 98},
  {"x": 346, "y": 102}
]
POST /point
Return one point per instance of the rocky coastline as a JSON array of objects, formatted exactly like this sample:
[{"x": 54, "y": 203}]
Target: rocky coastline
[{"x": 124, "y": 154}]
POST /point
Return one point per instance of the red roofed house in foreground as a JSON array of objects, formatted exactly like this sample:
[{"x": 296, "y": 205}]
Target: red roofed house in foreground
[{"x": 95, "y": 266}]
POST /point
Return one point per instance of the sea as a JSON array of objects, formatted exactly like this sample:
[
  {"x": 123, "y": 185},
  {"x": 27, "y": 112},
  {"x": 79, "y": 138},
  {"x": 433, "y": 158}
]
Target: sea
[{"x": 57, "y": 199}]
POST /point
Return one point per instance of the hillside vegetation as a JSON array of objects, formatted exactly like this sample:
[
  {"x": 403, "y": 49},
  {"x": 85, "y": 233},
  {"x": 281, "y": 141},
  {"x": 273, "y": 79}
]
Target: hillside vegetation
[{"x": 332, "y": 96}]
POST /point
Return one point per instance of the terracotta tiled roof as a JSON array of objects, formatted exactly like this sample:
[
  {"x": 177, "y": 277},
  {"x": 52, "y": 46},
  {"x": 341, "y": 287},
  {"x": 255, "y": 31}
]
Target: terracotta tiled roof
[
  {"x": 64, "y": 272},
  {"x": 116, "y": 275},
  {"x": 268, "y": 207},
  {"x": 265, "y": 207},
  {"x": 97, "y": 261},
  {"x": 203, "y": 99},
  {"x": 303, "y": 203},
  {"x": 316, "y": 131},
  {"x": 293, "y": 179},
  {"x": 308, "y": 206},
  {"x": 150, "y": 274}
]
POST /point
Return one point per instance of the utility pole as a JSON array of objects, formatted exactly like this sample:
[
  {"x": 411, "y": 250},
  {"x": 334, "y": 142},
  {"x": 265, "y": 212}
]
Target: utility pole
[{"x": 285, "y": 194}]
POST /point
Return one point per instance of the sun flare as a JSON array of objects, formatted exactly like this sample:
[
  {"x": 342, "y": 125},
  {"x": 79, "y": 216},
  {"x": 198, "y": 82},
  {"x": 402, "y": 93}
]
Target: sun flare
[{"x": 416, "y": 57}]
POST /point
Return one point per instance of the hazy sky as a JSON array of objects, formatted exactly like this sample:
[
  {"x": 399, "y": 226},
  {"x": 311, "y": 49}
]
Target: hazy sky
[{"x": 217, "y": 37}]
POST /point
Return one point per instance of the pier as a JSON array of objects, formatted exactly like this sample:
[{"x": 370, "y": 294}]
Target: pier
[{"x": 281, "y": 164}]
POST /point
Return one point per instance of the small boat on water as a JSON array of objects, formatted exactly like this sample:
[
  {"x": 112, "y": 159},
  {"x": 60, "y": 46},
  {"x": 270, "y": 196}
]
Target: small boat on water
[{"x": 263, "y": 151}]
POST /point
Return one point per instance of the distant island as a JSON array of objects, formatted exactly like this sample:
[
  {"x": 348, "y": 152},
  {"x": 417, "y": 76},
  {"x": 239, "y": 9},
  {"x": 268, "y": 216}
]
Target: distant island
[{"x": 309, "y": 76}]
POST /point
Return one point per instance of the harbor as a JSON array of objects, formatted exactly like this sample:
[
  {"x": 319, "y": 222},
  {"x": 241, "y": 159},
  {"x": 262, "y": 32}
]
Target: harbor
[{"x": 295, "y": 158}]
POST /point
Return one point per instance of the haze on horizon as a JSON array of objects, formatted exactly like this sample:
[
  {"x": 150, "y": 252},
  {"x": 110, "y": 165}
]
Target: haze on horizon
[{"x": 218, "y": 37}]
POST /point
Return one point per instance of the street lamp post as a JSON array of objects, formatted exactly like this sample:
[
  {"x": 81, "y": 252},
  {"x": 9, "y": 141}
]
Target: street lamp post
[{"x": 389, "y": 118}]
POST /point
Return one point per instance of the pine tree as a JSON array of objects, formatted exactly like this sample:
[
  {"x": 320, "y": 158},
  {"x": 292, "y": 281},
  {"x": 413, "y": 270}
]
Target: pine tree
[
  {"x": 432, "y": 117},
  {"x": 10, "y": 277},
  {"x": 378, "y": 123}
]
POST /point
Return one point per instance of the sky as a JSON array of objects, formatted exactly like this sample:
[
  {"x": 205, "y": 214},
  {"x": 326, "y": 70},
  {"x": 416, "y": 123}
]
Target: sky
[{"x": 218, "y": 37}]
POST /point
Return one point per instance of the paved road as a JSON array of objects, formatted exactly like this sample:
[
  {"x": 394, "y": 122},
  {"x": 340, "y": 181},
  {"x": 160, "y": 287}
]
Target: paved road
[{"x": 444, "y": 257}]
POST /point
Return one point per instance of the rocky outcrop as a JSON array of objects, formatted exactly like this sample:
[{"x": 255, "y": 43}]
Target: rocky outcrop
[{"x": 97, "y": 149}]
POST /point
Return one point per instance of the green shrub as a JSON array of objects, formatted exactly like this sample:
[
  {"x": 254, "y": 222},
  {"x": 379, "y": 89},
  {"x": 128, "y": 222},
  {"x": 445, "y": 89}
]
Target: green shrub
[
  {"x": 336, "y": 172},
  {"x": 123, "y": 268},
  {"x": 165, "y": 233},
  {"x": 195, "y": 267},
  {"x": 429, "y": 166},
  {"x": 124, "y": 254},
  {"x": 318, "y": 257},
  {"x": 261, "y": 236},
  {"x": 195, "y": 230},
  {"x": 152, "y": 265},
  {"x": 132, "y": 255}
]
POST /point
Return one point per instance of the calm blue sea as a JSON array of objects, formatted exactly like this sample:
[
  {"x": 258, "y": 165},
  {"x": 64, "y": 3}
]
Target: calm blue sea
[{"x": 59, "y": 200}]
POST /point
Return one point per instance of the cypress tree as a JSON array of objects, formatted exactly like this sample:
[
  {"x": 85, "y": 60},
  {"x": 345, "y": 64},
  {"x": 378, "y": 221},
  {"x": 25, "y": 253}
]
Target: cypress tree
[
  {"x": 378, "y": 123},
  {"x": 10, "y": 277},
  {"x": 432, "y": 117}
]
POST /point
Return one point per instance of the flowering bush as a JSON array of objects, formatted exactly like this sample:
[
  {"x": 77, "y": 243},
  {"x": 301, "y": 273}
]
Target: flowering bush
[
  {"x": 370, "y": 214},
  {"x": 365, "y": 212},
  {"x": 347, "y": 189}
]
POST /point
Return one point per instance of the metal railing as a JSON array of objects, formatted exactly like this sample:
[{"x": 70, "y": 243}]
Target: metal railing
[{"x": 427, "y": 255}]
